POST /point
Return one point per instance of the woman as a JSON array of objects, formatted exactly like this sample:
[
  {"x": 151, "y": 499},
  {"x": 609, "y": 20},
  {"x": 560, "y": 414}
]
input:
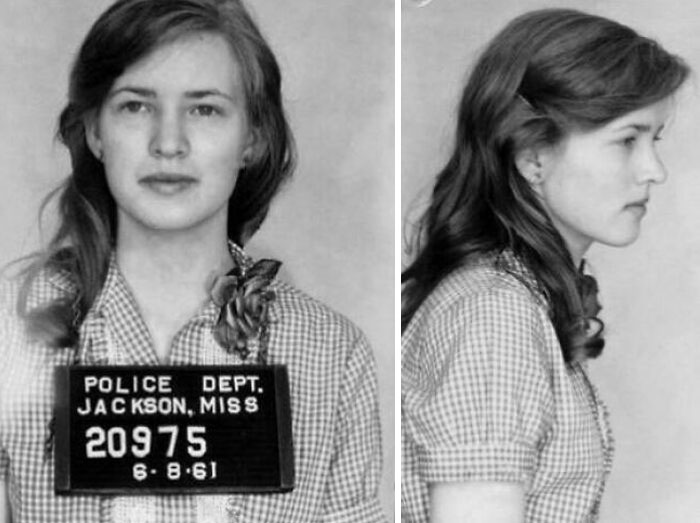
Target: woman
[
  {"x": 555, "y": 150},
  {"x": 178, "y": 143}
]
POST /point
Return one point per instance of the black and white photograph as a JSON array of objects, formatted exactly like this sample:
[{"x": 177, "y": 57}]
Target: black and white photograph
[
  {"x": 549, "y": 265},
  {"x": 197, "y": 241},
  {"x": 428, "y": 261}
]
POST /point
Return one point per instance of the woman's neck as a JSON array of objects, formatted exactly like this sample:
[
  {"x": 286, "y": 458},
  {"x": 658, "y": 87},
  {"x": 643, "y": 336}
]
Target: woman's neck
[
  {"x": 577, "y": 252},
  {"x": 173, "y": 262},
  {"x": 169, "y": 274}
]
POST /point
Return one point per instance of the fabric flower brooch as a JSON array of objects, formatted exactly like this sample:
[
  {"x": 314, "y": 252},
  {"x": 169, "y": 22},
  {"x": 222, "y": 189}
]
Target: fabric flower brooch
[{"x": 244, "y": 298}]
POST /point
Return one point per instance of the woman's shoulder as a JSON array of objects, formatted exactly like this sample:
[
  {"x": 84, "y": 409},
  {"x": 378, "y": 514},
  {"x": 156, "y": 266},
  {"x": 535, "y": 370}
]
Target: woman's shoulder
[
  {"x": 307, "y": 316},
  {"x": 41, "y": 288},
  {"x": 480, "y": 312},
  {"x": 301, "y": 316},
  {"x": 35, "y": 291},
  {"x": 480, "y": 286}
]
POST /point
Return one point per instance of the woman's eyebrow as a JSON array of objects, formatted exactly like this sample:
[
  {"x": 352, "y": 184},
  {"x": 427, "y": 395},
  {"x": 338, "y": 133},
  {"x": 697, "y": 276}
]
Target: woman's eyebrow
[
  {"x": 639, "y": 127},
  {"x": 150, "y": 93},
  {"x": 141, "y": 91},
  {"x": 203, "y": 93},
  {"x": 642, "y": 128}
]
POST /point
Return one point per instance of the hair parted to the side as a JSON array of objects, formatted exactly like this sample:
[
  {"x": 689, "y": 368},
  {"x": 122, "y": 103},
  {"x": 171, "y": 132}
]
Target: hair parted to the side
[
  {"x": 547, "y": 73},
  {"x": 126, "y": 32}
]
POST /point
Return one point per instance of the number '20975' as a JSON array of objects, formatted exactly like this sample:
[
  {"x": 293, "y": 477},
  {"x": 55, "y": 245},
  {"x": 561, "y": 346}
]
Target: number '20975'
[{"x": 116, "y": 442}]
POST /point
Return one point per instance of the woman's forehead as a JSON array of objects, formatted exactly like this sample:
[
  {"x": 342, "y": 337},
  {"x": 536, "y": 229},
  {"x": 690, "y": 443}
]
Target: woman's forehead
[
  {"x": 192, "y": 63},
  {"x": 649, "y": 117}
]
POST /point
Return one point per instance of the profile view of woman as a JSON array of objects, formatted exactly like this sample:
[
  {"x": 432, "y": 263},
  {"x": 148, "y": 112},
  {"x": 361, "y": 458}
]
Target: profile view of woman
[
  {"x": 555, "y": 149},
  {"x": 178, "y": 143}
]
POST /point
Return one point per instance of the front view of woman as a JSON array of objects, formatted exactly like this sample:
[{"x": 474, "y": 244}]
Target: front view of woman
[
  {"x": 555, "y": 149},
  {"x": 179, "y": 142}
]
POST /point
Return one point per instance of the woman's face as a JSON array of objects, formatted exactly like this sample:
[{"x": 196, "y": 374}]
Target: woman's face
[
  {"x": 596, "y": 185},
  {"x": 172, "y": 134}
]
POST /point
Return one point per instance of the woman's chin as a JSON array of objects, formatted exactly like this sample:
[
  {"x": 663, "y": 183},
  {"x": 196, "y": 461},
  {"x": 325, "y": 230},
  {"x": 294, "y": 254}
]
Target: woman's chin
[
  {"x": 621, "y": 238},
  {"x": 165, "y": 222}
]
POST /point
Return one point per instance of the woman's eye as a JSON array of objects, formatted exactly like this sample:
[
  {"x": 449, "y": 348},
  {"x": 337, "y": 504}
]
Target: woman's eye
[
  {"x": 205, "y": 110},
  {"x": 629, "y": 141},
  {"x": 133, "y": 106}
]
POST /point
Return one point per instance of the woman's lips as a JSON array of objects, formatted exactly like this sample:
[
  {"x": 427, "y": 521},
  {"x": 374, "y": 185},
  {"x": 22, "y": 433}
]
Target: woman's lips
[
  {"x": 639, "y": 206},
  {"x": 168, "y": 183}
]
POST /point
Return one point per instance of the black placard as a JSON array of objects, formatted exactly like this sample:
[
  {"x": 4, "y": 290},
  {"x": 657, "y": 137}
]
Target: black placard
[{"x": 136, "y": 430}]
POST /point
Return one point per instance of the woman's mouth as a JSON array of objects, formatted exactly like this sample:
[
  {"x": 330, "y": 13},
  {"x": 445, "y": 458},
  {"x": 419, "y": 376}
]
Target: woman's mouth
[
  {"x": 639, "y": 206},
  {"x": 168, "y": 184}
]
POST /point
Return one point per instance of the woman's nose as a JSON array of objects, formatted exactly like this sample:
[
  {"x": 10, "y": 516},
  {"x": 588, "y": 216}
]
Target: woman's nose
[
  {"x": 169, "y": 137},
  {"x": 653, "y": 169}
]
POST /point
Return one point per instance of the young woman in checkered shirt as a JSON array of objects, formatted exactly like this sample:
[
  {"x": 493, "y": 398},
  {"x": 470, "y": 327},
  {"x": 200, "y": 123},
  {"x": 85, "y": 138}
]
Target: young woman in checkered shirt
[
  {"x": 178, "y": 142},
  {"x": 554, "y": 150}
]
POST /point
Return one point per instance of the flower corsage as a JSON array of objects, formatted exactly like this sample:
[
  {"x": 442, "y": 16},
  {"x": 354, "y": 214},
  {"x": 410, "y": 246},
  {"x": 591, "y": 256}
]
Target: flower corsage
[{"x": 244, "y": 298}]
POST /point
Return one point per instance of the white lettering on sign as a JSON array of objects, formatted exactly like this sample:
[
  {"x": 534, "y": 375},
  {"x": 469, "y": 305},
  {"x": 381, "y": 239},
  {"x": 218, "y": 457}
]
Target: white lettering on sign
[
  {"x": 227, "y": 405},
  {"x": 128, "y": 385},
  {"x": 199, "y": 471},
  {"x": 165, "y": 405},
  {"x": 118, "y": 405},
  {"x": 147, "y": 405},
  {"x": 117, "y": 442},
  {"x": 233, "y": 383}
]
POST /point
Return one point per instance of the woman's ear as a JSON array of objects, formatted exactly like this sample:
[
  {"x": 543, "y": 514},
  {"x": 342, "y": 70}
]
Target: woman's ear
[
  {"x": 253, "y": 150},
  {"x": 529, "y": 163},
  {"x": 92, "y": 135}
]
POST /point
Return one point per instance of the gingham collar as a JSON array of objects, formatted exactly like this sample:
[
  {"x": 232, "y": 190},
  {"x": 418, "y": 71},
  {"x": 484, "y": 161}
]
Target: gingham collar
[
  {"x": 115, "y": 297},
  {"x": 507, "y": 261},
  {"x": 116, "y": 305}
]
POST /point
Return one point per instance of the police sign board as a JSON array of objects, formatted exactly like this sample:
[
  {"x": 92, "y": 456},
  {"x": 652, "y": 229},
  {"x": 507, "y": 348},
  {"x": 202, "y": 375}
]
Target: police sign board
[{"x": 134, "y": 429}]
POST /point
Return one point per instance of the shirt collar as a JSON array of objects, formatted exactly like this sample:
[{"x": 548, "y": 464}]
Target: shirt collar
[
  {"x": 115, "y": 296},
  {"x": 509, "y": 262}
]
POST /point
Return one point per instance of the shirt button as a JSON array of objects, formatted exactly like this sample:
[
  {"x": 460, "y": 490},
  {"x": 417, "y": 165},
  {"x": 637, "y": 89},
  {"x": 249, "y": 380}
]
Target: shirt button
[{"x": 234, "y": 510}]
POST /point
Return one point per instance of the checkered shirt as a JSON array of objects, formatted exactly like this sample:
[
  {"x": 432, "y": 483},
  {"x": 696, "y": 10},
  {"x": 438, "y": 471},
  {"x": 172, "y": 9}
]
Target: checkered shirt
[
  {"x": 333, "y": 388},
  {"x": 487, "y": 396}
]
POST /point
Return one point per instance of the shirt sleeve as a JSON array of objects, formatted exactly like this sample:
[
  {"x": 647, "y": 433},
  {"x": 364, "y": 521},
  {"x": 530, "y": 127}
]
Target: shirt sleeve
[
  {"x": 477, "y": 392},
  {"x": 352, "y": 490}
]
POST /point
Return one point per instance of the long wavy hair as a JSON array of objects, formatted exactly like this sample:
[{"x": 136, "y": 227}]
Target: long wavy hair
[
  {"x": 547, "y": 73},
  {"x": 86, "y": 234}
]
